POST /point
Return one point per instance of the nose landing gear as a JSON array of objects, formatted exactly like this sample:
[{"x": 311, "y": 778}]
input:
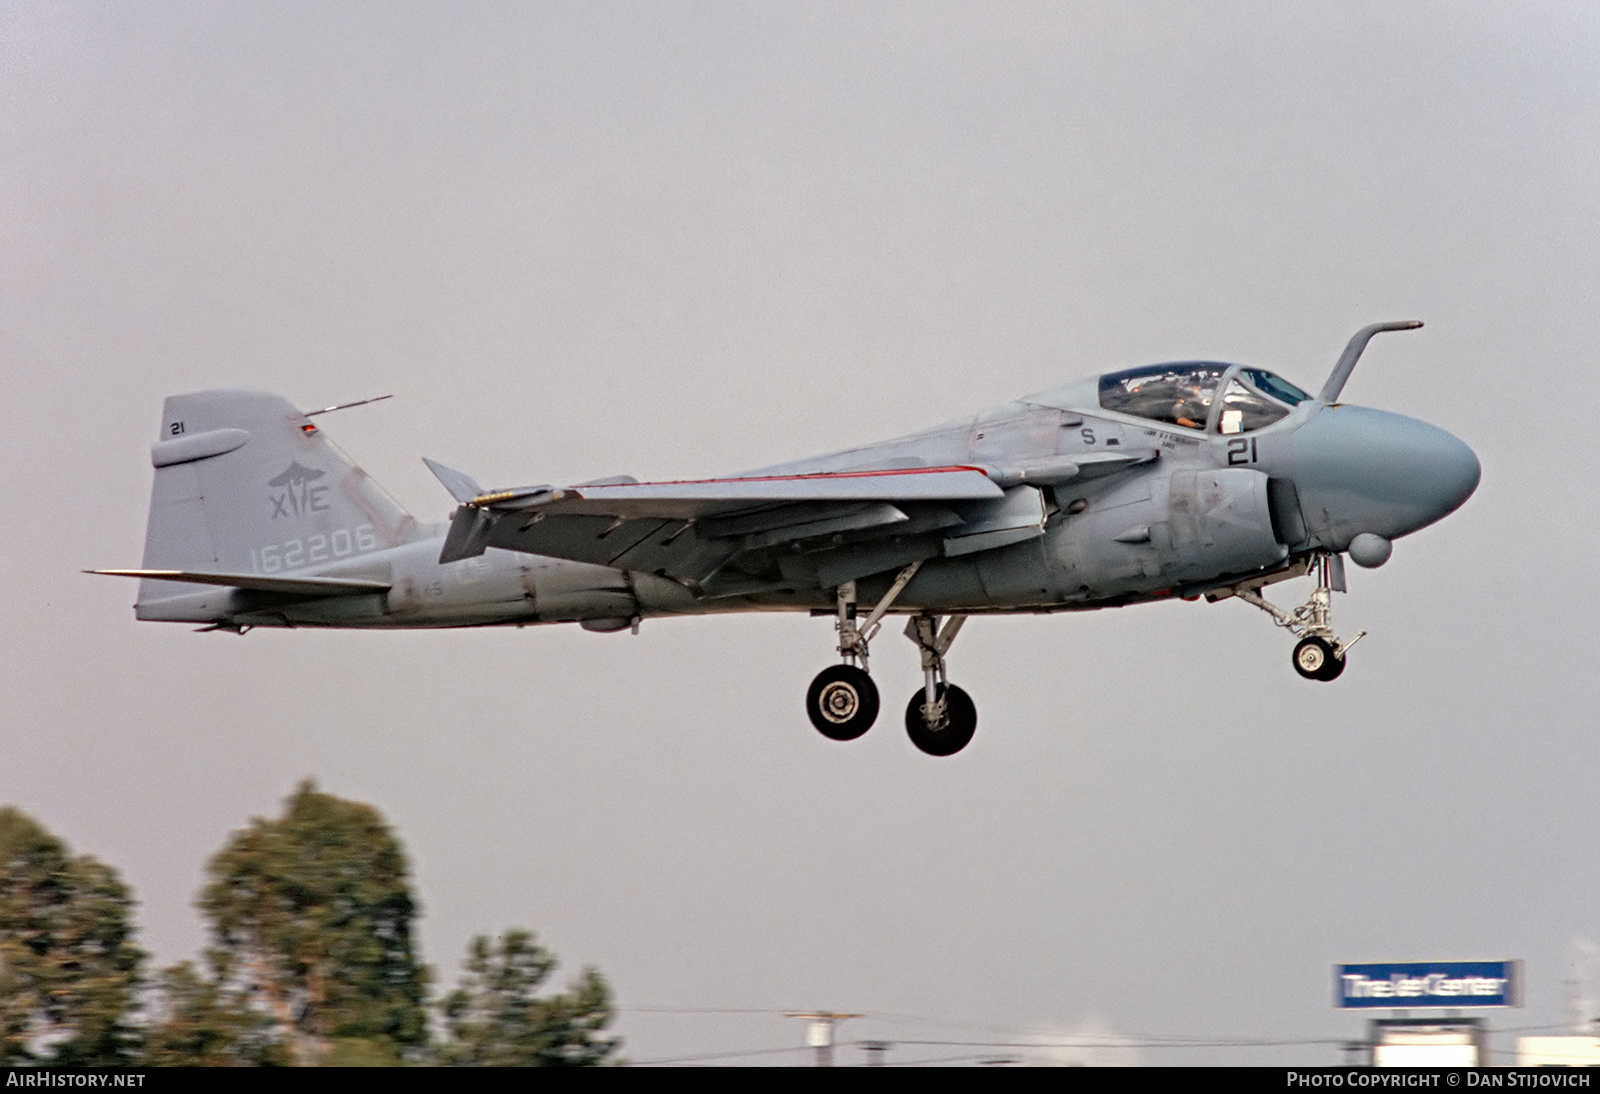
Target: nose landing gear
[{"x": 1319, "y": 655}]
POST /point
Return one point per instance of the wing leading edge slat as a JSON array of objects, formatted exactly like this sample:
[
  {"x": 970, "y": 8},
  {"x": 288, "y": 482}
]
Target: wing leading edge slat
[{"x": 690, "y": 499}]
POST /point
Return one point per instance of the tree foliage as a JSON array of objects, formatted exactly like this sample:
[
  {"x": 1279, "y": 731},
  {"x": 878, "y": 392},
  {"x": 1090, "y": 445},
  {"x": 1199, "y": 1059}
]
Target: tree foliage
[
  {"x": 311, "y": 921},
  {"x": 199, "y": 1024},
  {"x": 69, "y": 971},
  {"x": 311, "y": 962},
  {"x": 495, "y": 1019}
]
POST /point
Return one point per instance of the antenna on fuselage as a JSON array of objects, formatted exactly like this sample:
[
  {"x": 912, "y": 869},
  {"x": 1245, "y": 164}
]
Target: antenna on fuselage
[{"x": 1352, "y": 353}]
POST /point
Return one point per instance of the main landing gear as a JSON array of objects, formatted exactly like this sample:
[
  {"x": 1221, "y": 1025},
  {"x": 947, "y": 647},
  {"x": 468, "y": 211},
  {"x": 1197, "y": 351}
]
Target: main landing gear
[
  {"x": 842, "y": 701},
  {"x": 1319, "y": 655},
  {"x": 940, "y": 718}
]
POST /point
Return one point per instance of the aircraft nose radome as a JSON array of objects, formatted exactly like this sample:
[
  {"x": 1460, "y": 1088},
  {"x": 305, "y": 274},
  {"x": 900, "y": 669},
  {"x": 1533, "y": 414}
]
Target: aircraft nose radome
[{"x": 1361, "y": 470}]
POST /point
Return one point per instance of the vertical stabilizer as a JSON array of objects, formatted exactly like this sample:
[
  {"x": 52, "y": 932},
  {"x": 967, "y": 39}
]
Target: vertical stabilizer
[{"x": 245, "y": 483}]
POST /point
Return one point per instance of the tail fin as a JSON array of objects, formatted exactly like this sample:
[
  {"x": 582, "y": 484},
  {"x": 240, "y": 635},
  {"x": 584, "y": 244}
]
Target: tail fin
[{"x": 247, "y": 484}]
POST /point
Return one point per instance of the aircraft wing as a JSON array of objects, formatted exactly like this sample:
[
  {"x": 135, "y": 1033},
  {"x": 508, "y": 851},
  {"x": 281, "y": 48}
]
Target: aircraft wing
[{"x": 725, "y": 536}]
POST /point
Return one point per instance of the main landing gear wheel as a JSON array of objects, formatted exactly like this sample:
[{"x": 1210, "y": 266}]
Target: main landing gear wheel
[
  {"x": 842, "y": 702},
  {"x": 954, "y": 720},
  {"x": 1315, "y": 659}
]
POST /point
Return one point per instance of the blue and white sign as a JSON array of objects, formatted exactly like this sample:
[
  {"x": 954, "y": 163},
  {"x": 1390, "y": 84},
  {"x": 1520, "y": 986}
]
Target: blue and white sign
[{"x": 1429, "y": 984}]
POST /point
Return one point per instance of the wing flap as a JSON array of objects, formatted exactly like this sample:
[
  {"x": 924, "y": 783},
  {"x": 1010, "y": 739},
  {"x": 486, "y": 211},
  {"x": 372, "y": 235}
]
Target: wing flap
[
  {"x": 849, "y": 519},
  {"x": 647, "y": 544}
]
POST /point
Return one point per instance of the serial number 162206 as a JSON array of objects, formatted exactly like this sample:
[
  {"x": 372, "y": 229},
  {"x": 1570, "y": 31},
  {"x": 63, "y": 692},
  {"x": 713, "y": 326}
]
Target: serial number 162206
[{"x": 311, "y": 550}]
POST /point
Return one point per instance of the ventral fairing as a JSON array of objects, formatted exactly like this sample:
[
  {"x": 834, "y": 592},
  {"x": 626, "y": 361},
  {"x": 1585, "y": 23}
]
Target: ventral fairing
[{"x": 1185, "y": 479}]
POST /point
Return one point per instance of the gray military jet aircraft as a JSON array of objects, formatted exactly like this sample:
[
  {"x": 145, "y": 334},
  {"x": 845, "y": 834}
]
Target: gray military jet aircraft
[{"x": 1188, "y": 479}]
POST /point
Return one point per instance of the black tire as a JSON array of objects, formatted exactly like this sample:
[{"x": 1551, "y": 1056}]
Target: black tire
[
  {"x": 961, "y": 721},
  {"x": 842, "y": 702},
  {"x": 1315, "y": 660}
]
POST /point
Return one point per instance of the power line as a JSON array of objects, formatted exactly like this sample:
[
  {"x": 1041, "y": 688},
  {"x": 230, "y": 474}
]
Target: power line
[
  {"x": 717, "y": 1056},
  {"x": 1131, "y": 1043},
  {"x": 982, "y": 1059},
  {"x": 702, "y": 1010},
  {"x": 877, "y": 1047}
]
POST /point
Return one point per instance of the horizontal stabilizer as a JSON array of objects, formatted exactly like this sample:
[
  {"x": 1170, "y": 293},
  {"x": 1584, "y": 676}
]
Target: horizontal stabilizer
[{"x": 290, "y": 586}]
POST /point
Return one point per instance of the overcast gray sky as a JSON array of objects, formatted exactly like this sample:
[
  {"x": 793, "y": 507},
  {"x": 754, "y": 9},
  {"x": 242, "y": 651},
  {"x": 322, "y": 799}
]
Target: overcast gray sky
[{"x": 682, "y": 238}]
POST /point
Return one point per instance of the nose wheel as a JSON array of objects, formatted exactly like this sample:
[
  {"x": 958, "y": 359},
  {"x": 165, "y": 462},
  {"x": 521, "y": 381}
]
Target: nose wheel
[
  {"x": 1319, "y": 655},
  {"x": 1317, "y": 659}
]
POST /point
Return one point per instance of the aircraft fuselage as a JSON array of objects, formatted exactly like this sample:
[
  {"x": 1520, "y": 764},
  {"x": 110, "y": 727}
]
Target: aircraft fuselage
[{"x": 1204, "y": 511}]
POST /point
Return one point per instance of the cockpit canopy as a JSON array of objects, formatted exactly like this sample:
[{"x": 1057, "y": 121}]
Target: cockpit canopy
[{"x": 1184, "y": 393}]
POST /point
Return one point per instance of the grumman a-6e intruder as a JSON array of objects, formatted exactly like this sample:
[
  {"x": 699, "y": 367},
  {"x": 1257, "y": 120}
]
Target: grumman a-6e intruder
[{"x": 1176, "y": 480}]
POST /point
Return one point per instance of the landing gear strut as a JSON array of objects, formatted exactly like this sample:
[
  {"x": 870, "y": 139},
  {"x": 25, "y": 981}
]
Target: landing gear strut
[
  {"x": 1319, "y": 655},
  {"x": 843, "y": 701},
  {"x": 940, "y": 719}
]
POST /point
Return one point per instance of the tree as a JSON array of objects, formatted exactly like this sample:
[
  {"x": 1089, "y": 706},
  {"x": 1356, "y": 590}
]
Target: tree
[
  {"x": 311, "y": 921},
  {"x": 69, "y": 971},
  {"x": 198, "y": 1024},
  {"x": 494, "y": 1019}
]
